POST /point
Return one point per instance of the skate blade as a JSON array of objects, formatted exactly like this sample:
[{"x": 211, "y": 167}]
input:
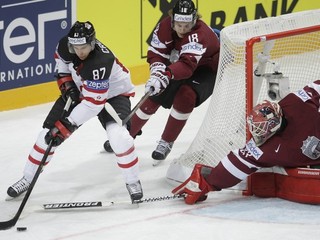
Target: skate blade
[
  {"x": 8, "y": 198},
  {"x": 104, "y": 151},
  {"x": 156, "y": 162}
]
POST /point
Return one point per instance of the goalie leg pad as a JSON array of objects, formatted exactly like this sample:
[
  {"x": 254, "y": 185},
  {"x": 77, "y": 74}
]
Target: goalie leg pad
[
  {"x": 297, "y": 185},
  {"x": 263, "y": 184},
  {"x": 300, "y": 185}
]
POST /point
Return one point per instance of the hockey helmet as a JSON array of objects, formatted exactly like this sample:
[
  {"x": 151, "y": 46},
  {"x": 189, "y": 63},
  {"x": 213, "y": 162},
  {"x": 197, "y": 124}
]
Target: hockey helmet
[
  {"x": 81, "y": 33},
  {"x": 264, "y": 121},
  {"x": 184, "y": 11}
]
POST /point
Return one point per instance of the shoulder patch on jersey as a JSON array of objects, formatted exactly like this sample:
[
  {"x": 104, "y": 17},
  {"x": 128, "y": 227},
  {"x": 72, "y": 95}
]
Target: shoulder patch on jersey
[
  {"x": 303, "y": 95},
  {"x": 311, "y": 147},
  {"x": 253, "y": 149},
  {"x": 155, "y": 42}
]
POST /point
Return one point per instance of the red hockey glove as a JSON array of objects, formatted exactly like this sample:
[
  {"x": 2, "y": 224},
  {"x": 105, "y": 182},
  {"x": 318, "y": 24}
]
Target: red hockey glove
[
  {"x": 159, "y": 81},
  {"x": 62, "y": 130},
  {"x": 196, "y": 186}
]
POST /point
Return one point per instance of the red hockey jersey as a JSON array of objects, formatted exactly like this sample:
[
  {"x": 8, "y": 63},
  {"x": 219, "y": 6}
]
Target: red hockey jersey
[
  {"x": 298, "y": 145},
  {"x": 183, "y": 56}
]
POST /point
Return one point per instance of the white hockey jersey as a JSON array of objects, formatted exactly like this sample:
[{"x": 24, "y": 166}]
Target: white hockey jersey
[{"x": 99, "y": 77}]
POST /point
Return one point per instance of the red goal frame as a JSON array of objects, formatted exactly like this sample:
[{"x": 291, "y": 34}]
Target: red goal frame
[{"x": 249, "y": 72}]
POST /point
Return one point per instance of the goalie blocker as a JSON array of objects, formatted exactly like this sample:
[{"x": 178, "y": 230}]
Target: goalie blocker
[{"x": 294, "y": 184}]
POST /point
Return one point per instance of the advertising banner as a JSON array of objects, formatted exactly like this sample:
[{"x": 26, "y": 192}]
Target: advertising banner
[
  {"x": 29, "y": 32},
  {"x": 218, "y": 14}
]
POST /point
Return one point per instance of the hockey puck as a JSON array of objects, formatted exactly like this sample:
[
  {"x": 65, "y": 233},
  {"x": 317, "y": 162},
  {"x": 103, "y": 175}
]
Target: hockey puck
[{"x": 21, "y": 229}]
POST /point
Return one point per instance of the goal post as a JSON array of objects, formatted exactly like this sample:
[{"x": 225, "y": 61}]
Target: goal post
[{"x": 251, "y": 53}]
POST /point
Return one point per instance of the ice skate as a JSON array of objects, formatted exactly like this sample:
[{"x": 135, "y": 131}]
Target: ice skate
[
  {"x": 107, "y": 147},
  {"x": 135, "y": 191},
  {"x": 161, "y": 152},
  {"x": 18, "y": 188}
]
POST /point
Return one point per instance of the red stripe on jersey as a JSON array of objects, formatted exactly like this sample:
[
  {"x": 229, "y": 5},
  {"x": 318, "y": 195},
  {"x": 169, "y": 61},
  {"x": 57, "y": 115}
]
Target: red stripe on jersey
[
  {"x": 89, "y": 99},
  {"x": 128, "y": 165},
  {"x": 126, "y": 153},
  {"x": 95, "y": 90},
  {"x": 131, "y": 94},
  {"x": 56, "y": 56},
  {"x": 241, "y": 165}
]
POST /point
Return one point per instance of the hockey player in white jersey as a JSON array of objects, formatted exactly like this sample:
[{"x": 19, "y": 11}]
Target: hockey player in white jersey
[{"x": 90, "y": 74}]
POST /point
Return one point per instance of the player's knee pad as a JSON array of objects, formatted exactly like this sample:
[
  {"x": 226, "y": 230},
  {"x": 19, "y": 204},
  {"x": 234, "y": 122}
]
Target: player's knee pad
[
  {"x": 185, "y": 99},
  {"x": 119, "y": 138}
]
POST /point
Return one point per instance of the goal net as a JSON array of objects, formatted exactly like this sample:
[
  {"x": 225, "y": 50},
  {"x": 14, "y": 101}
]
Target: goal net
[{"x": 288, "y": 45}]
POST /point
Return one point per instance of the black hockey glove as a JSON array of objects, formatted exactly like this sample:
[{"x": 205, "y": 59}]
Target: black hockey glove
[
  {"x": 62, "y": 130},
  {"x": 68, "y": 89}
]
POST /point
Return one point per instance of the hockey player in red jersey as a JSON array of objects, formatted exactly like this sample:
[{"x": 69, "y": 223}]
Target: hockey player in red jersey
[
  {"x": 90, "y": 74},
  {"x": 284, "y": 134},
  {"x": 183, "y": 58}
]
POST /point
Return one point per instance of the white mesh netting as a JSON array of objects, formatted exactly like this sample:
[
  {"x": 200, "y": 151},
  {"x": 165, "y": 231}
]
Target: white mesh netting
[{"x": 224, "y": 126}]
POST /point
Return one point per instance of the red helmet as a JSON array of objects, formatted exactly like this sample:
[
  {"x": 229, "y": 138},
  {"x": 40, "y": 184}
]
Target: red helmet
[{"x": 264, "y": 121}]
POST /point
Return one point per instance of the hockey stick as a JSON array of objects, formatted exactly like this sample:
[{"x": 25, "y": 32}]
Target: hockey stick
[
  {"x": 10, "y": 223},
  {"x": 115, "y": 115},
  {"x": 101, "y": 204}
]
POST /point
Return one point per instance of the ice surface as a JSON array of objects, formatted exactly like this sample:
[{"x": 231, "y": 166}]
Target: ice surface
[{"x": 80, "y": 172}]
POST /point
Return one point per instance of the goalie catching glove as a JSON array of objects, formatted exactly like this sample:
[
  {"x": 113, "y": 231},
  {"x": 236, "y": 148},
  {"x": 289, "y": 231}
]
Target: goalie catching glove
[
  {"x": 195, "y": 187},
  {"x": 158, "y": 81},
  {"x": 62, "y": 130}
]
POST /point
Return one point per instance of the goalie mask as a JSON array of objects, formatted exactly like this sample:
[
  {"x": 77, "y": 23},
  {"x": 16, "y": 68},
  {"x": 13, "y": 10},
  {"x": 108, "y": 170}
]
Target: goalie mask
[
  {"x": 184, "y": 11},
  {"x": 264, "y": 121},
  {"x": 81, "y": 33}
]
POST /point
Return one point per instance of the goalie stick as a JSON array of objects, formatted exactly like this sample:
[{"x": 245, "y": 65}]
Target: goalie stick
[
  {"x": 10, "y": 223},
  {"x": 102, "y": 204},
  {"x": 115, "y": 115}
]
